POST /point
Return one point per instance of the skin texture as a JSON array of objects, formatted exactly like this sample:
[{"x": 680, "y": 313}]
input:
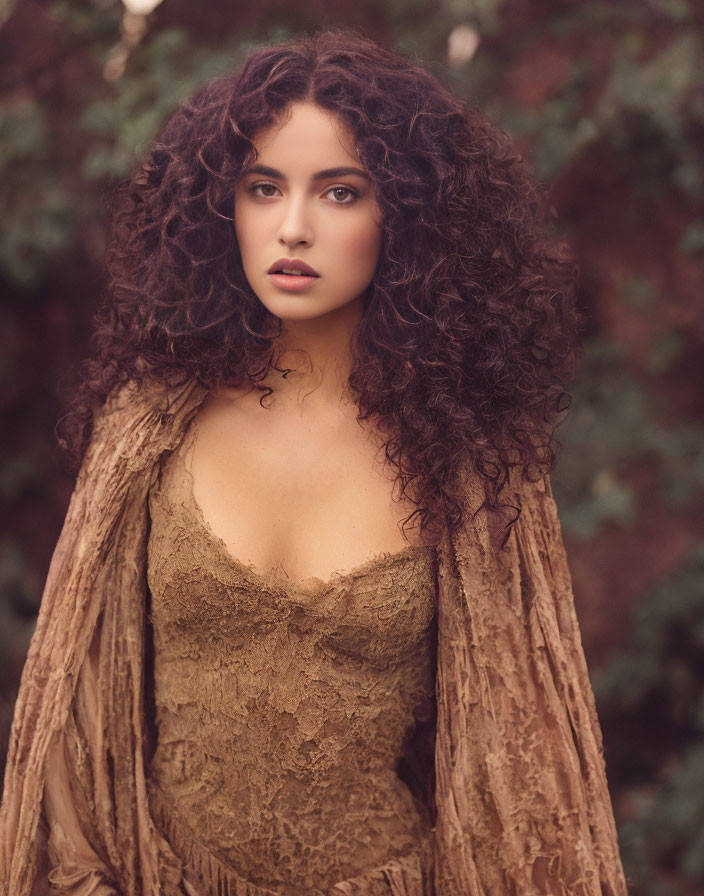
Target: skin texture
[{"x": 333, "y": 224}]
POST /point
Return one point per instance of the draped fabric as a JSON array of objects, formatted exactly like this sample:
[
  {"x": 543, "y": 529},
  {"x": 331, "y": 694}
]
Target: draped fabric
[{"x": 521, "y": 791}]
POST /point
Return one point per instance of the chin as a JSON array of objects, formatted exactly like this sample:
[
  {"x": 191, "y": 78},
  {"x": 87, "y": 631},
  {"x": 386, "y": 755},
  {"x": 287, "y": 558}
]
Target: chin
[
  {"x": 302, "y": 314},
  {"x": 300, "y": 307}
]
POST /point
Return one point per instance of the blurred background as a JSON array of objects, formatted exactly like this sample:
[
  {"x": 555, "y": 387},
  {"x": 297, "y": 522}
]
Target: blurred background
[{"x": 607, "y": 100}]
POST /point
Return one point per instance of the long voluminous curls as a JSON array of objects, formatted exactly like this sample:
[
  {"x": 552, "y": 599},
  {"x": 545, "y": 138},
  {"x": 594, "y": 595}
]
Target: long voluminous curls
[{"x": 469, "y": 328}]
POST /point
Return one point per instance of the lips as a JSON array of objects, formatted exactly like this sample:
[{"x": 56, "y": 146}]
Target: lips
[{"x": 292, "y": 264}]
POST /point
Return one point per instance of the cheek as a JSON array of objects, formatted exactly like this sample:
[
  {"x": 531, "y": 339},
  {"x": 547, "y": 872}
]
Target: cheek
[{"x": 363, "y": 245}]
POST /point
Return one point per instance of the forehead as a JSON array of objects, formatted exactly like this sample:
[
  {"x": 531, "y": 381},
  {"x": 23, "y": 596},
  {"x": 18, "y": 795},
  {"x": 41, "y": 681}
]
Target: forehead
[{"x": 306, "y": 135}]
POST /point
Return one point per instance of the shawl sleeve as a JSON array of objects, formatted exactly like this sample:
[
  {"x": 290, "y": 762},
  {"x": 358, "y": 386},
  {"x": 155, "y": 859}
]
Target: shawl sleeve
[
  {"x": 74, "y": 866},
  {"x": 523, "y": 803},
  {"x": 74, "y": 817}
]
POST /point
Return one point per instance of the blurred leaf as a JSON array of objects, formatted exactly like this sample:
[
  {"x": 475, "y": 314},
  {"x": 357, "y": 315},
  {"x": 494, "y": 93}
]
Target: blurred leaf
[
  {"x": 678, "y": 11},
  {"x": 692, "y": 241},
  {"x": 483, "y": 13},
  {"x": 666, "y": 654},
  {"x": 646, "y": 108},
  {"x": 160, "y": 75},
  {"x": 37, "y": 213},
  {"x": 638, "y": 292},
  {"x": 671, "y": 824},
  {"x": 19, "y": 599},
  {"x": 612, "y": 423},
  {"x": 16, "y": 475},
  {"x": 666, "y": 352},
  {"x": 88, "y": 17},
  {"x": 654, "y": 688}
]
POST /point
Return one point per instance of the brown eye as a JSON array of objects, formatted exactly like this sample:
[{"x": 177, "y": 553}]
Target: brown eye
[
  {"x": 256, "y": 187},
  {"x": 348, "y": 195}
]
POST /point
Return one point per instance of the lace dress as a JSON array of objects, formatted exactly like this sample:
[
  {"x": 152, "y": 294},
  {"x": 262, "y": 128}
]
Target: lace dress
[{"x": 293, "y": 720}]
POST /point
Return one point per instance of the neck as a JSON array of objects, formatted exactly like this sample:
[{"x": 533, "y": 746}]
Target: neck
[{"x": 318, "y": 354}]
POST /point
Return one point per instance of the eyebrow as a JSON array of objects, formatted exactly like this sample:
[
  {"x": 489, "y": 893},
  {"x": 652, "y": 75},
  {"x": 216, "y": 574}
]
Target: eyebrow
[{"x": 319, "y": 175}]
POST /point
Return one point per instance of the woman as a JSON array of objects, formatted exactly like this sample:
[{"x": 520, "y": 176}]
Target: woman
[{"x": 335, "y": 308}]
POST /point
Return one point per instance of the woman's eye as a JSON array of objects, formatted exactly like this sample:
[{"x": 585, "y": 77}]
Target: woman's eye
[
  {"x": 347, "y": 192},
  {"x": 256, "y": 187}
]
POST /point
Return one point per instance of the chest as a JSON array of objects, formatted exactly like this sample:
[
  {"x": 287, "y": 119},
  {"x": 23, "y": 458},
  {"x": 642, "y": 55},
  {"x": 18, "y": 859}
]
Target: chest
[{"x": 311, "y": 494}]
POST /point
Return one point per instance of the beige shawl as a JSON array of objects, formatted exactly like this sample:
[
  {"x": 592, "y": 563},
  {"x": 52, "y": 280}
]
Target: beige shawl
[{"x": 521, "y": 793}]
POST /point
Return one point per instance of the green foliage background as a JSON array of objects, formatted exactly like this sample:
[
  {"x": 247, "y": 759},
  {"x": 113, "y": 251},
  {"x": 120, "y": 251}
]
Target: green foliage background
[{"x": 607, "y": 99}]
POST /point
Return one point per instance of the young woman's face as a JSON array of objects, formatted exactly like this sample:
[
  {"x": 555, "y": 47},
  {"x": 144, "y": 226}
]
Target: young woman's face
[{"x": 307, "y": 199}]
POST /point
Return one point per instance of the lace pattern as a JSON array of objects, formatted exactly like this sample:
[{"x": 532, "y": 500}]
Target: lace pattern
[{"x": 285, "y": 712}]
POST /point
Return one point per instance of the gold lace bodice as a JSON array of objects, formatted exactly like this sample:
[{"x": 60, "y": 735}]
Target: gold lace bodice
[{"x": 286, "y": 713}]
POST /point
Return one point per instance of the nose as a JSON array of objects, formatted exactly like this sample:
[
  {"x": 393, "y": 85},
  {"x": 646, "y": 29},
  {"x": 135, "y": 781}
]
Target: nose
[{"x": 296, "y": 227}]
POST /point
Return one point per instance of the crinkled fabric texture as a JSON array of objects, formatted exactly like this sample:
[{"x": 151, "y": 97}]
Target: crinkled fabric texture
[
  {"x": 283, "y": 709},
  {"x": 521, "y": 795}
]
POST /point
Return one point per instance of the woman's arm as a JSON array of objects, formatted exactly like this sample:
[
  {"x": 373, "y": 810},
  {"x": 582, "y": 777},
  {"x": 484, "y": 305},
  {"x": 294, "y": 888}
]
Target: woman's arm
[{"x": 74, "y": 867}]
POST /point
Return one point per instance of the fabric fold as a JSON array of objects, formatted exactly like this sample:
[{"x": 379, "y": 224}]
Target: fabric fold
[{"x": 519, "y": 745}]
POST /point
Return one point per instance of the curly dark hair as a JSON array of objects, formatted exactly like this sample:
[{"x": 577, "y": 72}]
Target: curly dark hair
[{"x": 469, "y": 329}]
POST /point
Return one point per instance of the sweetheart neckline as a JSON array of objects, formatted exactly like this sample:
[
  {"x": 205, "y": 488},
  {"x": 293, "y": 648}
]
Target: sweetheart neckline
[{"x": 310, "y": 586}]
